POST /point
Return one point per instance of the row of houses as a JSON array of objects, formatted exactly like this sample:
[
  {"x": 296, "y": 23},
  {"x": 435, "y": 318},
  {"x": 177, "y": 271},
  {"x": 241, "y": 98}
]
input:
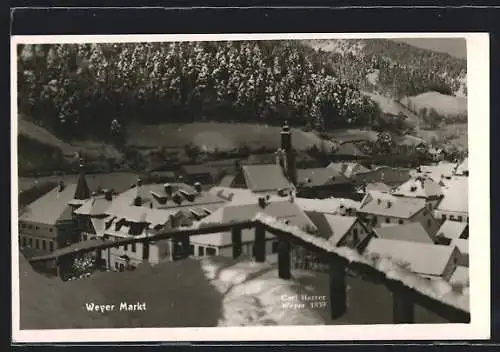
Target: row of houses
[{"x": 399, "y": 220}]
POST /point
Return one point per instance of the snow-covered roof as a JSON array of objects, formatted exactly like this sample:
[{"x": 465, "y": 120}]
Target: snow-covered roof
[
  {"x": 266, "y": 177},
  {"x": 332, "y": 227},
  {"x": 460, "y": 276},
  {"x": 378, "y": 186},
  {"x": 282, "y": 210},
  {"x": 452, "y": 229},
  {"x": 327, "y": 206},
  {"x": 463, "y": 167},
  {"x": 412, "y": 232},
  {"x": 422, "y": 258},
  {"x": 421, "y": 186},
  {"x": 461, "y": 244},
  {"x": 378, "y": 203},
  {"x": 455, "y": 196}
]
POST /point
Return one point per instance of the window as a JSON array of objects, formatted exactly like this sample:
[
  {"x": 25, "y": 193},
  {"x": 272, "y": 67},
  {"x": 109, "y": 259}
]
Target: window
[
  {"x": 51, "y": 246},
  {"x": 24, "y": 241},
  {"x": 23, "y": 226},
  {"x": 133, "y": 247},
  {"x": 275, "y": 246},
  {"x": 388, "y": 220},
  {"x": 452, "y": 217},
  {"x": 443, "y": 217},
  {"x": 401, "y": 222},
  {"x": 30, "y": 241},
  {"x": 211, "y": 251},
  {"x": 201, "y": 251},
  {"x": 355, "y": 237},
  {"x": 37, "y": 244},
  {"x": 30, "y": 227},
  {"x": 374, "y": 221},
  {"x": 460, "y": 218},
  {"x": 37, "y": 228},
  {"x": 51, "y": 229},
  {"x": 116, "y": 265},
  {"x": 44, "y": 245},
  {"x": 84, "y": 237},
  {"x": 125, "y": 247},
  {"x": 191, "y": 249}
]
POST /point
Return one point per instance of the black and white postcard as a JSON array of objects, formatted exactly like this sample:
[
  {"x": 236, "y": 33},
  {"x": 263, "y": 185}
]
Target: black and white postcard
[{"x": 250, "y": 187}]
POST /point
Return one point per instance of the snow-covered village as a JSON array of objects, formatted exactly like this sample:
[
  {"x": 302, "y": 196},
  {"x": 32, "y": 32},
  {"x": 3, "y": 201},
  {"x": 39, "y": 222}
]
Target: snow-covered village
[{"x": 202, "y": 184}]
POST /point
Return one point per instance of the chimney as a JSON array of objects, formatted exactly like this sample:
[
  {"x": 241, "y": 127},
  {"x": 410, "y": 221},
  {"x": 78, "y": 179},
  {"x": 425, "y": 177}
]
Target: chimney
[
  {"x": 389, "y": 204},
  {"x": 177, "y": 198},
  {"x": 197, "y": 187},
  {"x": 108, "y": 195},
  {"x": 262, "y": 202},
  {"x": 61, "y": 186},
  {"x": 168, "y": 188},
  {"x": 379, "y": 201},
  {"x": 139, "y": 182}
]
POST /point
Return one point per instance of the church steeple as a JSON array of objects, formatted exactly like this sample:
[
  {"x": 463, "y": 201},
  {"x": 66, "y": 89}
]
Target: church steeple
[{"x": 82, "y": 191}]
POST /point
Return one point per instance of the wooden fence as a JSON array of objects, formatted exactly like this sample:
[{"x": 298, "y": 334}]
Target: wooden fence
[{"x": 405, "y": 294}]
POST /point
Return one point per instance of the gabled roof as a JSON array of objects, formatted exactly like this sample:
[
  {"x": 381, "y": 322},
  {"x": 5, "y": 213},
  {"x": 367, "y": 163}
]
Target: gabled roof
[
  {"x": 332, "y": 227},
  {"x": 452, "y": 229},
  {"x": 319, "y": 177},
  {"x": 455, "y": 196},
  {"x": 412, "y": 232},
  {"x": 326, "y": 206},
  {"x": 94, "y": 206},
  {"x": 349, "y": 148},
  {"x": 422, "y": 258},
  {"x": 378, "y": 186},
  {"x": 51, "y": 207},
  {"x": 437, "y": 172},
  {"x": 261, "y": 178},
  {"x": 348, "y": 169},
  {"x": 282, "y": 210},
  {"x": 421, "y": 186},
  {"x": 378, "y": 203}
]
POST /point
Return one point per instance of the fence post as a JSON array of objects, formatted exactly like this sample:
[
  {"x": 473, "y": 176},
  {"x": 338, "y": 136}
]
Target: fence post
[
  {"x": 338, "y": 289},
  {"x": 402, "y": 309},
  {"x": 260, "y": 243},
  {"x": 284, "y": 257},
  {"x": 236, "y": 240}
]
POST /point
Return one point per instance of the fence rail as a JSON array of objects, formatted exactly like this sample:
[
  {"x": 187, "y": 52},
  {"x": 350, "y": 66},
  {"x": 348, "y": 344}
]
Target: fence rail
[{"x": 407, "y": 290}]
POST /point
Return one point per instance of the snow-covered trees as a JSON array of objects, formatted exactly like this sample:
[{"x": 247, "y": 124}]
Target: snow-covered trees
[{"x": 80, "y": 88}]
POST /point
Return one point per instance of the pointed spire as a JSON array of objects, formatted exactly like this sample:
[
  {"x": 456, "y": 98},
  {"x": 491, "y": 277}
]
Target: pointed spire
[{"x": 82, "y": 191}]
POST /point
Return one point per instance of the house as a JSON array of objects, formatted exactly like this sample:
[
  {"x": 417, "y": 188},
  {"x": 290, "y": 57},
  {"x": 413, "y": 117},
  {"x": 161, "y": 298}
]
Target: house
[
  {"x": 197, "y": 173},
  {"x": 377, "y": 186},
  {"x": 440, "y": 172},
  {"x": 348, "y": 169},
  {"x": 334, "y": 206},
  {"x": 261, "y": 178},
  {"x": 427, "y": 260},
  {"x": 410, "y": 232},
  {"x": 437, "y": 154},
  {"x": 421, "y": 187},
  {"x": 341, "y": 231},
  {"x": 382, "y": 209},
  {"x": 452, "y": 230},
  {"x": 455, "y": 203},
  {"x": 221, "y": 243},
  {"x": 138, "y": 211},
  {"x": 389, "y": 175},
  {"x": 323, "y": 183},
  {"x": 463, "y": 168},
  {"x": 349, "y": 151},
  {"x": 48, "y": 223}
]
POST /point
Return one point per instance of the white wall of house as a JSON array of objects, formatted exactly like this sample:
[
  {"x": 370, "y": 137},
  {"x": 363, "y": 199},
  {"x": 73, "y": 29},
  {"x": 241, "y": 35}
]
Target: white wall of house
[
  {"x": 443, "y": 215},
  {"x": 38, "y": 236}
]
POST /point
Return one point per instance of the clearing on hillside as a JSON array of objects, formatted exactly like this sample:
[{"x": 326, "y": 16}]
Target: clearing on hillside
[
  {"x": 211, "y": 135},
  {"x": 445, "y": 105}
]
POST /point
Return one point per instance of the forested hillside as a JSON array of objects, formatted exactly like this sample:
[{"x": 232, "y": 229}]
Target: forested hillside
[
  {"x": 77, "y": 90},
  {"x": 400, "y": 69}
]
